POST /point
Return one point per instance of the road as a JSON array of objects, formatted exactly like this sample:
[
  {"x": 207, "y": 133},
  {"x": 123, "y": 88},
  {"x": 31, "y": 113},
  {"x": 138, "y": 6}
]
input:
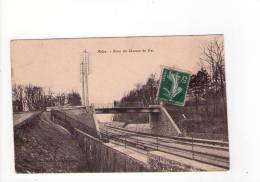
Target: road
[{"x": 18, "y": 118}]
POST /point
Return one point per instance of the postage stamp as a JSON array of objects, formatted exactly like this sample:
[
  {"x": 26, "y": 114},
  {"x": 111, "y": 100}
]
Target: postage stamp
[{"x": 173, "y": 86}]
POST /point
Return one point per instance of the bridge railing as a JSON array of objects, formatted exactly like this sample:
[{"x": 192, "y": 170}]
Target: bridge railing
[{"x": 119, "y": 105}]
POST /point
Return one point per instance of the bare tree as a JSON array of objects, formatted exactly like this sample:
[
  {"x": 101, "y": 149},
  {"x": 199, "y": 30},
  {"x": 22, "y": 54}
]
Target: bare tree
[
  {"x": 213, "y": 56},
  {"x": 17, "y": 97},
  {"x": 31, "y": 97}
]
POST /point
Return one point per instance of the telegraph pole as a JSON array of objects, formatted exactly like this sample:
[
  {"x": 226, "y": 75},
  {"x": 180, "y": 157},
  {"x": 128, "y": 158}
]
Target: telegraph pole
[{"x": 84, "y": 72}]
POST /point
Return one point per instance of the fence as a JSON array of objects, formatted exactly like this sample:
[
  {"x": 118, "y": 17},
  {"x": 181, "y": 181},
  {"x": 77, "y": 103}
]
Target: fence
[
  {"x": 119, "y": 105},
  {"x": 210, "y": 136}
]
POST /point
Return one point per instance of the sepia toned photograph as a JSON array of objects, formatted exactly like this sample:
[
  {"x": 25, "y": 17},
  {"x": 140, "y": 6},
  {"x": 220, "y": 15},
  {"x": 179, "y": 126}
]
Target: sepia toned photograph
[{"x": 120, "y": 104}]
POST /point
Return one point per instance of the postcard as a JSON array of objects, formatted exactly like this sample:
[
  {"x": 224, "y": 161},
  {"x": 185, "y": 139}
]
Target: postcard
[{"x": 120, "y": 104}]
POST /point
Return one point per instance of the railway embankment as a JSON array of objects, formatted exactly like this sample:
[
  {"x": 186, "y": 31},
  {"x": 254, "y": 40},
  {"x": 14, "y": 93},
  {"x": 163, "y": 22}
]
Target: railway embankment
[{"x": 42, "y": 146}]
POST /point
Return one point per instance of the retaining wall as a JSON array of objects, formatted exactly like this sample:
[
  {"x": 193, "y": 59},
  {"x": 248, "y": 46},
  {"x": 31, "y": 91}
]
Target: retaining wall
[
  {"x": 161, "y": 161},
  {"x": 101, "y": 157},
  {"x": 86, "y": 123}
]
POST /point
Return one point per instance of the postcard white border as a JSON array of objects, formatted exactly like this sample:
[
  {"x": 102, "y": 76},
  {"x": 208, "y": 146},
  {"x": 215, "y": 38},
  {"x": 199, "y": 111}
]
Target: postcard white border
[{"x": 237, "y": 20}]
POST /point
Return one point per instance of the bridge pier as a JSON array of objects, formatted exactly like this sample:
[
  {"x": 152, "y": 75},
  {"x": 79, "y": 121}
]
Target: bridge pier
[{"x": 162, "y": 123}]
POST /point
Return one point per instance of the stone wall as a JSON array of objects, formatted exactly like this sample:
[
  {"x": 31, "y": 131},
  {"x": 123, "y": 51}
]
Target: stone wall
[{"x": 159, "y": 161}]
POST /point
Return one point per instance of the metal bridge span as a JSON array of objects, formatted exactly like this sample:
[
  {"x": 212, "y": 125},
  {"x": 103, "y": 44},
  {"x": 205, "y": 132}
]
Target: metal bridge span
[
  {"x": 114, "y": 109},
  {"x": 117, "y": 110}
]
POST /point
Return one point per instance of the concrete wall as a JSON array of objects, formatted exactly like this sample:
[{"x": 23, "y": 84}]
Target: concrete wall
[
  {"x": 162, "y": 123},
  {"x": 101, "y": 157},
  {"x": 83, "y": 119}
]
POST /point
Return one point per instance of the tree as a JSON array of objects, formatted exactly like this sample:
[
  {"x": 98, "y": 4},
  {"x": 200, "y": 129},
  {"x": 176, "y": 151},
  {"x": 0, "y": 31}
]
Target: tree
[
  {"x": 145, "y": 93},
  {"x": 17, "y": 97},
  {"x": 213, "y": 56},
  {"x": 61, "y": 99},
  {"x": 199, "y": 85},
  {"x": 31, "y": 97},
  {"x": 142, "y": 95},
  {"x": 74, "y": 98},
  {"x": 152, "y": 88}
]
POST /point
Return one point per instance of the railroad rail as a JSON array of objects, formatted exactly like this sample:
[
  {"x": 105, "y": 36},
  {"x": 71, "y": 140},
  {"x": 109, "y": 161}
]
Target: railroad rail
[
  {"x": 210, "y": 152},
  {"x": 198, "y": 150},
  {"x": 187, "y": 139}
]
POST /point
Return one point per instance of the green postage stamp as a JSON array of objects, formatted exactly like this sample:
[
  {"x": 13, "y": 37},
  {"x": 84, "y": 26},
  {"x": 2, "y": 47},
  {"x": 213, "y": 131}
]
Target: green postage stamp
[{"x": 173, "y": 86}]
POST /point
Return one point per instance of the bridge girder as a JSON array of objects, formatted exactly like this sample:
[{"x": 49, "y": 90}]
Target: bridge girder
[{"x": 120, "y": 110}]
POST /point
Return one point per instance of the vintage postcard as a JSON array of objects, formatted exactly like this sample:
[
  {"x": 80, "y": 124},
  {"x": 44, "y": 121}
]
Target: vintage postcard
[{"x": 120, "y": 104}]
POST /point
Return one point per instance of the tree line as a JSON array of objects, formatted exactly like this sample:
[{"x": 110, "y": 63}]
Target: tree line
[
  {"x": 209, "y": 83},
  {"x": 206, "y": 92},
  {"x": 143, "y": 93},
  {"x": 31, "y": 98}
]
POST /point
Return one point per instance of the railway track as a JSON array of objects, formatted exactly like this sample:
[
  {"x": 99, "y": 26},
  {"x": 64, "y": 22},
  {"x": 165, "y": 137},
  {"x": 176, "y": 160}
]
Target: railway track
[{"x": 215, "y": 153}]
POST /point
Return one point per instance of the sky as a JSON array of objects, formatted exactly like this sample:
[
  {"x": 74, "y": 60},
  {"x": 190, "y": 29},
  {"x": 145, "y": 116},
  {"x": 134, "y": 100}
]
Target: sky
[{"x": 55, "y": 63}]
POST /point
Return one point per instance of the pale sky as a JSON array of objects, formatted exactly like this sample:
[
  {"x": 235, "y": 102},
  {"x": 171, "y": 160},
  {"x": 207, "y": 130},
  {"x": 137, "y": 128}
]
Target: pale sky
[{"x": 55, "y": 63}]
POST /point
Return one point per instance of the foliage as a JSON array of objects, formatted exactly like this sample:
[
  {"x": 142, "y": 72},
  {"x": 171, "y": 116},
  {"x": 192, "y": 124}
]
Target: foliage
[
  {"x": 142, "y": 95},
  {"x": 199, "y": 83},
  {"x": 145, "y": 94},
  {"x": 205, "y": 108},
  {"x": 31, "y": 98},
  {"x": 213, "y": 56},
  {"x": 74, "y": 99}
]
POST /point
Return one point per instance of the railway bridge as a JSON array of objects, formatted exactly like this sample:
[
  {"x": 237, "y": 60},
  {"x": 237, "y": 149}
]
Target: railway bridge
[{"x": 161, "y": 123}]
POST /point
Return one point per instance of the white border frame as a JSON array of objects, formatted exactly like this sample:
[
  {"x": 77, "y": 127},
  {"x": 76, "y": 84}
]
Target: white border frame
[{"x": 237, "y": 20}]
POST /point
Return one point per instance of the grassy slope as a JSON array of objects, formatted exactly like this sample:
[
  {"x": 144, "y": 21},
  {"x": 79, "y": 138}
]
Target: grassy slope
[{"x": 47, "y": 147}]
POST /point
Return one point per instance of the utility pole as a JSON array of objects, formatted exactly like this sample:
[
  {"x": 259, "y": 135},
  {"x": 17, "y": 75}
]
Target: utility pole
[{"x": 84, "y": 72}]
